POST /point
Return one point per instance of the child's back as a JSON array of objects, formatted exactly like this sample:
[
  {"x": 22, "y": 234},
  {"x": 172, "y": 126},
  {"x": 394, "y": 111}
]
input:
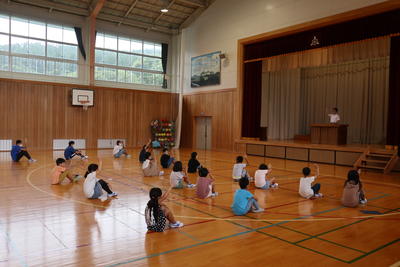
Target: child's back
[
  {"x": 240, "y": 201},
  {"x": 193, "y": 163},
  {"x": 203, "y": 187},
  {"x": 237, "y": 171},
  {"x": 351, "y": 195},
  {"x": 305, "y": 189}
]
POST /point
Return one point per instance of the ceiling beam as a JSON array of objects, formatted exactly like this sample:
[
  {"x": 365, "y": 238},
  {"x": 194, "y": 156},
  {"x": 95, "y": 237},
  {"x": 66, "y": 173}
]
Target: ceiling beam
[
  {"x": 95, "y": 7},
  {"x": 135, "y": 23},
  {"x": 134, "y": 3},
  {"x": 55, "y": 6},
  {"x": 198, "y": 3},
  {"x": 161, "y": 14}
]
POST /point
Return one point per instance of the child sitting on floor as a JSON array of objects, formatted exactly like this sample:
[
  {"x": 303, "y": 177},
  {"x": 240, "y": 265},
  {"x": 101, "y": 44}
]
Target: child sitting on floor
[
  {"x": 243, "y": 200},
  {"x": 93, "y": 187},
  {"x": 239, "y": 170},
  {"x": 205, "y": 184},
  {"x": 158, "y": 216},
  {"x": 60, "y": 173},
  {"x": 120, "y": 150},
  {"x": 71, "y": 152},
  {"x": 166, "y": 160},
  {"x": 260, "y": 177},
  {"x": 305, "y": 188},
  {"x": 150, "y": 167},
  {"x": 193, "y": 164},
  {"x": 18, "y": 151},
  {"x": 178, "y": 176},
  {"x": 353, "y": 193}
]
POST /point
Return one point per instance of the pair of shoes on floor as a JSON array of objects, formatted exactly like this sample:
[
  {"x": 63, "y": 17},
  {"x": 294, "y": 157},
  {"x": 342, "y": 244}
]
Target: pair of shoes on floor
[
  {"x": 178, "y": 224},
  {"x": 275, "y": 185},
  {"x": 214, "y": 194},
  {"x": 113, "y": 194},
  {"x": 257, "y": 210},
  {"x": 128, "y": 156},
  {"x": 161, "y": 173},
  {"x": 191, "y": 185},
  {"x": 84, "y": 157},
  {"x": 32, "y": 160},
  {"x": 319, "y": 195},
  {"x": 363, "y": 201}
]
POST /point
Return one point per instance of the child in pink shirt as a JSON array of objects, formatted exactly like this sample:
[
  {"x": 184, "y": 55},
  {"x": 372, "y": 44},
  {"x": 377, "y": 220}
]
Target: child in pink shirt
[{"x": 205, "y": 184}]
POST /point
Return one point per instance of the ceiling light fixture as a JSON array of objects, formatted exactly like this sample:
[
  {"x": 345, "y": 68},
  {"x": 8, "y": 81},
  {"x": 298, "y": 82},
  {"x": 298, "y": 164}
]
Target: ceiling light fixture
[{"x": 164, "y": 10}]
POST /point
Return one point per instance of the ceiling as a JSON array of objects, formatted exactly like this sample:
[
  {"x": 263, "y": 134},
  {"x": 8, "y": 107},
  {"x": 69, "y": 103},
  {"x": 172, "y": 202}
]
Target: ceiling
[{"x": 143, "y": 14}]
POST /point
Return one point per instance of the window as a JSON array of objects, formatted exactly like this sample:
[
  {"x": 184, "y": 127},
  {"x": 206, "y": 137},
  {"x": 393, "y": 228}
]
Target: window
[
  {"x": 28, "y": 46},
  {"x": 125, "y": 60}
]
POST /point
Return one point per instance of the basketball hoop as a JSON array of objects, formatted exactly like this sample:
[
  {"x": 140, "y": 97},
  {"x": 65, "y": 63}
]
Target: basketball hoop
[{"x": 84, "y": 103}]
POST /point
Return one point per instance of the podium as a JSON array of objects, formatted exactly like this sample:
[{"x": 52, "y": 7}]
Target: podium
[{"x": 329, "y": 133}]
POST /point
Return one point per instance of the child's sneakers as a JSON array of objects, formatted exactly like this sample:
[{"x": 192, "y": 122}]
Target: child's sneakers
[
  {"x": 32, "y": 160},
  {"x": 178, "y": 224},
  {"x": 191, "y": 185},
  {"x": 128, "y": 156},
  {"x": 161, "y": 173},
  {"x": 319, "y": 195},
  {"x": 363, "y": 201},
  {"x": 113, "y": 194},
  {"x": 77, "y": 178},
  {"x": 275, "y": 185},
  {"x": 257, "y": 210},
  {"x": 103, "y": 197},
  {"x": 214, "y": 194},
  {"x": 84, "y": 157}
]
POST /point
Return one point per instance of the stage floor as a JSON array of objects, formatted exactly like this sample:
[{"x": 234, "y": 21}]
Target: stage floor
[{"x": 44, "y": 225}]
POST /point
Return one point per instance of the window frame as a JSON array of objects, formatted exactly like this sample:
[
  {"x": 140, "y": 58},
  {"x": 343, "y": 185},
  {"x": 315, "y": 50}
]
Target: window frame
[{"x": 45, "y": 58}]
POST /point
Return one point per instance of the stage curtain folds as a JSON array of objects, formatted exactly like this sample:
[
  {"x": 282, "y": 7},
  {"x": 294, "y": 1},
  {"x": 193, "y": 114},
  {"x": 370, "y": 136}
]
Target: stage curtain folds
[
  {"x": 281, "y": 103},
  {"x": 294, "y": 99}
]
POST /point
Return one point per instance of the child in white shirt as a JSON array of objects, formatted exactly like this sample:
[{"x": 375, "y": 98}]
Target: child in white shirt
[
  {"x": 260, "y": 177},
  {"x": 120, "y": 150},
  {"x": 239, "y": 169},
  {"x": 93, "y": 187},
  {"x": 334, "y": 117},
  {"x": 178, "y": 176},
  {"x": 306, "y": 189}
]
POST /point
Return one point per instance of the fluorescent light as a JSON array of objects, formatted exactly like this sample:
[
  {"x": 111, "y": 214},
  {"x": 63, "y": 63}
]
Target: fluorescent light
[{"x": 164, "y": 10}]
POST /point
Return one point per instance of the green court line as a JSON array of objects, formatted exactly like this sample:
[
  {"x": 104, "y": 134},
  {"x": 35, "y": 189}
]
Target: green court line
[
  {"x": 374, "y": 250},
  {"x": 270, "y": 225}
]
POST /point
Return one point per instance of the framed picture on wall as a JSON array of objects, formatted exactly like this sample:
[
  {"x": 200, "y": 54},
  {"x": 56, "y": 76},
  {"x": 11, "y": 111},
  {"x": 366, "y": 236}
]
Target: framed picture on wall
[{"x": 206, "y": 70}]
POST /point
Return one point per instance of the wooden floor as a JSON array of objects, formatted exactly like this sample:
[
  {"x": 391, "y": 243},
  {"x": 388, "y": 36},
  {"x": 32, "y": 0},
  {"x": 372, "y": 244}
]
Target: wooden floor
[{"x": 44, "y": 225}]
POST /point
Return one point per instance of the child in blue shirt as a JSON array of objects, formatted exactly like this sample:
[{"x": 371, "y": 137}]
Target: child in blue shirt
[
  {"x": 244, "y": 201},
  {"x": 71, "y": 152},
  {"x": 18, "y": 151}
]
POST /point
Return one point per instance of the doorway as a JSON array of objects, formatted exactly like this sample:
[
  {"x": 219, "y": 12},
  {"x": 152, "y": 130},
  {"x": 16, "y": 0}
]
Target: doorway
[{"x": 203, "y": 132}]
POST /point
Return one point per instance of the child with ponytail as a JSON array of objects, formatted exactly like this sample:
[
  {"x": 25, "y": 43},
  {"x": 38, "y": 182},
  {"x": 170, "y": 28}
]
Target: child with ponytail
[
  {"x": 158, "y": 216},
  {"x": 93, "y": 187}
]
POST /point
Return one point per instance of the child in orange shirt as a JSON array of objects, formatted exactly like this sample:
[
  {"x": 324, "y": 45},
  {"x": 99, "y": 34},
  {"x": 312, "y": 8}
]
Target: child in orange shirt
[{"x": 60, "y": 173}]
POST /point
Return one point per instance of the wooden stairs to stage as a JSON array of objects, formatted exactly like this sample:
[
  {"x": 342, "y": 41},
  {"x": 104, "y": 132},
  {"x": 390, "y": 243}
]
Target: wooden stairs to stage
[{"x": 381, "y": 160}]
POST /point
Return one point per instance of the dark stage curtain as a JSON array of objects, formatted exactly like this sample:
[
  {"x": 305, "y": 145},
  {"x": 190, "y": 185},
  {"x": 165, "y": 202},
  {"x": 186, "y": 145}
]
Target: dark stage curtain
[
  {"x": 393, "y": 123},
  {"x": 252, "y": 99},
  {"x": 164, "y": 59},
  {"x": 355, "y": 30},
  {"x": 78, "y": 33}
]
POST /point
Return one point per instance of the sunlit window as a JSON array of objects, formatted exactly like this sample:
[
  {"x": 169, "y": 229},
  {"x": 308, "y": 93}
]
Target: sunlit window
[
  {"x": 124, "y": 60},
  {"x": 35, "y": 47}
]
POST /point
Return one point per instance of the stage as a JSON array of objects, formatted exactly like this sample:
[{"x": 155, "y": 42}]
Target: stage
[{"x": 345, "y": 155}]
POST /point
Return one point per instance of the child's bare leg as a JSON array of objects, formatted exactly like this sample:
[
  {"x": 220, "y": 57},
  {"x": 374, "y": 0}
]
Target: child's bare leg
[
  {"x": 168, "y": 214},
  {"x": 213, "y": 188},
  {"x": 272, "y": 180},
  {"x": 186, "y": 180}
]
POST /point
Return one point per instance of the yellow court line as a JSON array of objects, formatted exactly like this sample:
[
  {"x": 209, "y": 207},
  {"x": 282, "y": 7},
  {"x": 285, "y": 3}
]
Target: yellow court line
[{"x": 28, "y": 180}]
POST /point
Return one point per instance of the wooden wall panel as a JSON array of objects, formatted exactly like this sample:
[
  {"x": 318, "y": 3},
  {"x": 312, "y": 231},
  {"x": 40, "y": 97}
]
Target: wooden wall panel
[
  {"x": 216, "y": 104},
  {"x": 39, "y": 112}
]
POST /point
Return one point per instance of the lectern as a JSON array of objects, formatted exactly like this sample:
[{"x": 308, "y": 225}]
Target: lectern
[{"x": 329, "y": 133}]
